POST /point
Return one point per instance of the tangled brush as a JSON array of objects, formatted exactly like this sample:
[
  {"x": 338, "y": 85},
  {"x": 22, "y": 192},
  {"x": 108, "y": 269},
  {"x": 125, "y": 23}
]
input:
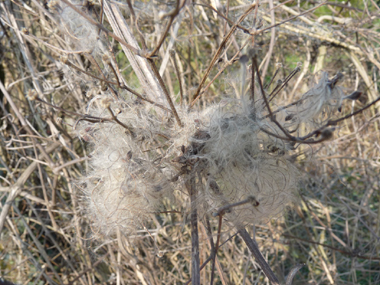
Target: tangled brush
[
  {"x": 147, "y": 89},
  {"x": 237, "y": 152},
  {"x": 241, "y": 168}
]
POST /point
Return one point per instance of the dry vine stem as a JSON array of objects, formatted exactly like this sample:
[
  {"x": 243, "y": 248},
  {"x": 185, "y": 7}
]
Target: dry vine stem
[{"x": 226, "y": 161}]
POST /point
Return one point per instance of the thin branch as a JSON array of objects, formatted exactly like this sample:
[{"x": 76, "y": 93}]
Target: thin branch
[
  {"x": 83, "y": 117},
  {"x": 272, "y": 40},
  {"x": 217, "y": 54},
  {"x": 252, "y": 85},
  {"x": 172, "y": 53},
  {"x": 195, "y": 266},
  {"x": 287, "y": 79},
  {"x": 290, "y": 19},
  {"x": 227, "y": 208},
  {"x": 129, "y": 129},
  {"x": 134, "y": 19},
  {"x": 272, "y": 79},
  {"x": 252, "y": 246},
  {"x": 167, "y": 95},
  {"x": 172, "y": 15},
  {"x": 215, "y": 250},
  {"x": 254, "y": 63},
  {"x": 67, "y": 62},
  {"x": 293, "y": 272},
  {"x": 347, "y": 253}
]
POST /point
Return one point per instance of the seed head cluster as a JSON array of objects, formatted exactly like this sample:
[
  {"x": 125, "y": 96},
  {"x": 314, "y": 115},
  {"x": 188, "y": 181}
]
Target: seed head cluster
[
  {"x": 138, "y": 165},
  {"x": 131, "y": 168},
  {"x": 235, "y": 151}
]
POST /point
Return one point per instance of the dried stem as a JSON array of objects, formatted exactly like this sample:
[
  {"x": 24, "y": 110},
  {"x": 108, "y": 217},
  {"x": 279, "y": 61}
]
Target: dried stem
[
  {"x": 252, "y": 85},
  {"x": 167, "y": 95},
  {"x": 292, "y": 273},
  {"x": 203, "y": 266},
  {"x": 252, "y": 246},
  {"x": 172, "y": 14},
  {"x": 273, "y": 77},
  {"x": 217, "y": 54},
  {"x": 254, "y": 63},
  {"x": 172, "y": 53},
  {"x": 83, "y": 117},
  {"x": 118, "y": 121},
  {"x": 195, "y": 263},
  {"x": 279, "y": 88},
  {"x": 290, "y": 19},
  {"x": 227, "y": 208},
  {"x": 215, "y": 250},
  {"x": 17, "y": 187},
  {"x": 223, "y": 17}
]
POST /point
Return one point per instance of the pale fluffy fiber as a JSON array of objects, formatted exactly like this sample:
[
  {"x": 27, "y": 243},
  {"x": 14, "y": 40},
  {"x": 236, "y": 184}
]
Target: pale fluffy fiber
[{"x": 234, "y": 159}]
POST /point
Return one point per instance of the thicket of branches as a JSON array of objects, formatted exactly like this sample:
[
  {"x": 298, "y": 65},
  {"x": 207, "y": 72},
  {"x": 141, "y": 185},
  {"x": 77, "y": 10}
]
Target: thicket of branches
[{"x": 231, "y": 142}]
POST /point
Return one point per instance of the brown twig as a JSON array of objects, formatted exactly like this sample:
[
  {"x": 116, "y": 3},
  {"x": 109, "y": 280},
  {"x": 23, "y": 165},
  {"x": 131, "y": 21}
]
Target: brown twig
[
  {"x": 217, "y": 54},
  {"x": 347, "y": 253},
  {"x": 254, "y": 63},
  {"x": 282, "y": 85},
  {"x": 167, "y": 95},
  {"x": 172, "y": 53},
  {"x": 252, "y": 246},
  {"x": 215, "y": 250},
  {"x": 287, "y": 20},
  {"x": 95, "y": 63},
  {"x": 129, "y": 129},
  {"x": 195, "y": 266},
  {"x": 172, "y": 15}
]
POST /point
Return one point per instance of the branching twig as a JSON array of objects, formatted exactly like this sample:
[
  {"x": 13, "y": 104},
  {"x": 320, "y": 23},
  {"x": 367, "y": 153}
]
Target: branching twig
[
  {"x": 172, "y": 15},
  {"x": 218, "y": 52}
]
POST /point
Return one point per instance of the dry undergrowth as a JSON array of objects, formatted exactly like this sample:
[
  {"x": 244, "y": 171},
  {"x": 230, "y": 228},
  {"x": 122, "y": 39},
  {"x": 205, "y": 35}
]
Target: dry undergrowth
[{"x": 112, "y": 141}]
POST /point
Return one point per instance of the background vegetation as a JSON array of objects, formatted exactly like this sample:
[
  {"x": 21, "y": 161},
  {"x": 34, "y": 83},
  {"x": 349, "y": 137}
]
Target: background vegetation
[{"x": 333, "y": 226}]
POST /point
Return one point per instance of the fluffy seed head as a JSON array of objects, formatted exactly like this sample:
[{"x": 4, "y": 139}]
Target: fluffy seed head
[
  {"x": 323, "y": 99},
  {"x": 244, "y": 162},
  {"x": 227, "y": 146},
  {"x": 125, "y": 186},
  {"x": 79, "y": 32}
]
